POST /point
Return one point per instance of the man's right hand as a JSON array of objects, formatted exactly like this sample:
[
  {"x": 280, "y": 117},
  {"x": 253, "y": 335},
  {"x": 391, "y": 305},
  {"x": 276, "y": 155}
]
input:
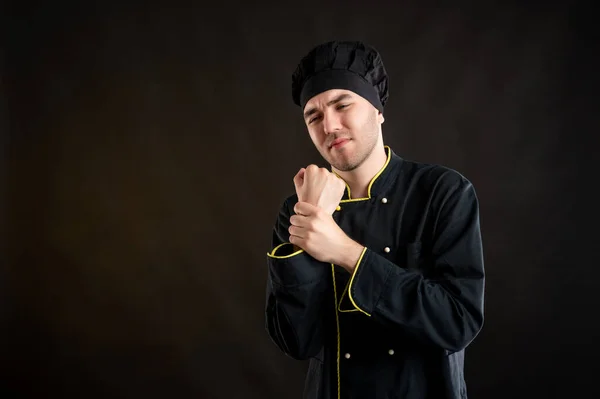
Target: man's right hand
[{"x": 319, "y": 187}]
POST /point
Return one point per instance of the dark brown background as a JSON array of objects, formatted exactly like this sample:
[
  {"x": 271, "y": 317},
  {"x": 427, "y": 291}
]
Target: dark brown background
[{"x": 146, "y": 150}]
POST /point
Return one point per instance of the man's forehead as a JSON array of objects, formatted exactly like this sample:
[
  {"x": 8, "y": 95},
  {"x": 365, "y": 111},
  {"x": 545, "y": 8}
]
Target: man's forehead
[{"x": 327, "y": 96}]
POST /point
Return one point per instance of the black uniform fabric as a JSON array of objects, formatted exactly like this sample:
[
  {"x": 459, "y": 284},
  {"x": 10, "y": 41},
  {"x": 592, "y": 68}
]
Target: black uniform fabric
[
  {"x": 349, "y": 65},
  {"x": 398, "y": 326}
]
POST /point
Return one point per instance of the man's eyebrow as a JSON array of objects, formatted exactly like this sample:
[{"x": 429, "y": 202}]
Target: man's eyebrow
[
  {"x": 337, "y": 99},
  {"x": 309, "y": 112}
]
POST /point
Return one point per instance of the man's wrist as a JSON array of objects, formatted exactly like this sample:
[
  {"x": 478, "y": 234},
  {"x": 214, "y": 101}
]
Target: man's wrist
[{"x": 350, "y": 254}]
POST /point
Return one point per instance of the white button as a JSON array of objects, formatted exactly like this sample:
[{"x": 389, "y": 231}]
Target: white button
[
  {"x": 384, "y": 200},
  {"x": 347, "y": 356},
  {"x": 391, "y": 351},
  {"x": 386, "y": 249}
]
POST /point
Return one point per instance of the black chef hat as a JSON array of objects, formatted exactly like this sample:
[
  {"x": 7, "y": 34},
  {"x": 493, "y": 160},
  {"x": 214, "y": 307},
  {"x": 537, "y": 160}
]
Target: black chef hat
[{"x": 350, "y": 65}]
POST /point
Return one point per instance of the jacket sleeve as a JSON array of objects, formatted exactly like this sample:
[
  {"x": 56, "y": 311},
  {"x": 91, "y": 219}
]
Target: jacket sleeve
[
  {"x": 295, "y": 298},
  {"x": 446, "y": 308}
]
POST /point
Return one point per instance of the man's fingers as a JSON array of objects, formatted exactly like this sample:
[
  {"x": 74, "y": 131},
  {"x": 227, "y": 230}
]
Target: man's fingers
[
  {"x": 295, "y": 240},
  {"x": 304, "y": 209},
  {"x": 307, "y": 209},
  {"x": 296, "y": 231},
  {"x": 296, "y": 220},
  {"x": 302, "y": 221},
  {"x": 299, "y": 178}
]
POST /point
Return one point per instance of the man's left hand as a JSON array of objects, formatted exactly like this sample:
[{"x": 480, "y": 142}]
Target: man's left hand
[{"x": 315, "y": 231}]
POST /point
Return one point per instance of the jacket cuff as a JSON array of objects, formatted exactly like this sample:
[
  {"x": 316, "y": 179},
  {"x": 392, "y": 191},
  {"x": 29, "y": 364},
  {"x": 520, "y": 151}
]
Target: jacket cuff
[
  {"x": 368, "y": 281},
  {"x": 291, "y": 268},
  {"x": 285, "y": 250}
]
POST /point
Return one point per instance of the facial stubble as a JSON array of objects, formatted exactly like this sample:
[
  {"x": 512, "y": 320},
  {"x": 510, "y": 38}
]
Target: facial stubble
[{"x": 369, "y": 135}]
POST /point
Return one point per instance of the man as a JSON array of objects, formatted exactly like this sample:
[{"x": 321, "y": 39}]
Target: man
[{"x": 376, "y": 268}]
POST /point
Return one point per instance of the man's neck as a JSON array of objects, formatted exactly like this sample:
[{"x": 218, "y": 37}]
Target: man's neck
[{"x": 359, "y": 179}]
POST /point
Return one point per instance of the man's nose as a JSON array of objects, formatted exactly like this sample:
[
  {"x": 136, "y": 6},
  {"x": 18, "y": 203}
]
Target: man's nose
[{"x": 331, "y": 123}]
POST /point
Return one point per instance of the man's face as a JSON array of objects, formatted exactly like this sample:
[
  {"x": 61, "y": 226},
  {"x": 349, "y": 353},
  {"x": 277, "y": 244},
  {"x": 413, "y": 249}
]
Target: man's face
[{"x": 343, "y": 126}]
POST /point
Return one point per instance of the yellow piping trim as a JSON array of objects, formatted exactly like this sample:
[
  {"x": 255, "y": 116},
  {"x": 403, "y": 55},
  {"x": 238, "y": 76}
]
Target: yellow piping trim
[
  {"x": 385, "y": 165},
  {"x": 354, "y": 200},
  {"x": 347, "y": 289},
  {"x": 347, "y": 188},
  {"x": 352, "y": 280},
  {"x": 342, "y": 300},
  {"x": 272, "y": 253},
  {"x": 337, "y": 322}
]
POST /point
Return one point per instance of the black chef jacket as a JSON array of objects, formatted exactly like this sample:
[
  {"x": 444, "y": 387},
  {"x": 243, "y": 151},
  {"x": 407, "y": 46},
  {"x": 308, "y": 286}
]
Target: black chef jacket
[{"x": 397, "y": 327}]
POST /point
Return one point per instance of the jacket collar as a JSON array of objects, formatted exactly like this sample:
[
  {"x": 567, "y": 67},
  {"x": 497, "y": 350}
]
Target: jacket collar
[{"x": 382, "y": 179}]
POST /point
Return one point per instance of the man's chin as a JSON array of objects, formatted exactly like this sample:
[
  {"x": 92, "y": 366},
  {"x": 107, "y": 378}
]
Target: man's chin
[
  {"x": 340, "y": 160},
  {"x": 344, "y": 165},
  {"x": 346, "y": 168}
]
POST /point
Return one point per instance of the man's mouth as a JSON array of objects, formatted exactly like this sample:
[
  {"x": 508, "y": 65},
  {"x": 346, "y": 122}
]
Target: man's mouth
[{"x": 338, "y": 142}]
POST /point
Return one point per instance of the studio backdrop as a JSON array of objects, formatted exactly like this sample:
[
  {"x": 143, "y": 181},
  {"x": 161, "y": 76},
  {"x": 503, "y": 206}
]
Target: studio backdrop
[{"x": 146, "y": 150}]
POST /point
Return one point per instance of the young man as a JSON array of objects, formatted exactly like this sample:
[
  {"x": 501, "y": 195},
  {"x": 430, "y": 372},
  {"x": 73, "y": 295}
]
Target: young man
[{"x": 376, "y": 268}]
